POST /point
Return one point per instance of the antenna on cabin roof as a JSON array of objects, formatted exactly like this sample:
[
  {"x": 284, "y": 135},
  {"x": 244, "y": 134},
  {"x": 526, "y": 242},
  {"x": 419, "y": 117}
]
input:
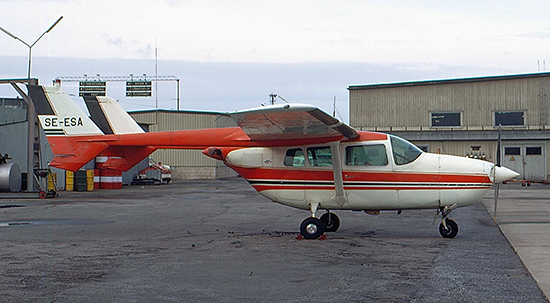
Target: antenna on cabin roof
[
  {"x": 334, "y": 107},
  {"x": 272, "y": 96}
]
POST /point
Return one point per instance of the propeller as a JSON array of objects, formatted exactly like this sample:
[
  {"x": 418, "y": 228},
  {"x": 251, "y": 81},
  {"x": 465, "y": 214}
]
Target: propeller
[{"x": 498, "y": 164}]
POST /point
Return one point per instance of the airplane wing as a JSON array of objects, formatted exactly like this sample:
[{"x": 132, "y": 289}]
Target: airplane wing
[
  {"x": 75, "y": 139},
  {"x": 290, "y": 121}
]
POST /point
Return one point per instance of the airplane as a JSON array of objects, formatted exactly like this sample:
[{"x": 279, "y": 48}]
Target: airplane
[{"x": 293, "y": 154}]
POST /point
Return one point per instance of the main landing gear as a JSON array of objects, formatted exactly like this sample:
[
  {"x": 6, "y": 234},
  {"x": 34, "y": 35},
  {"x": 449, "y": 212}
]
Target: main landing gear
[
  {"x": 313, "y": 227},
  {"x": 448, "y": 228}
]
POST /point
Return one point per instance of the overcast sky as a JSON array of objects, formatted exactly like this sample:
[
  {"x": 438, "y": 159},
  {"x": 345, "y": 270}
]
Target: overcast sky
[{"x": 417, "y": 39}]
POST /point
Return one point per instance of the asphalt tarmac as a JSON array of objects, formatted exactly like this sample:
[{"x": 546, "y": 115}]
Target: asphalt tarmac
[{"x": 220, "y": 241}]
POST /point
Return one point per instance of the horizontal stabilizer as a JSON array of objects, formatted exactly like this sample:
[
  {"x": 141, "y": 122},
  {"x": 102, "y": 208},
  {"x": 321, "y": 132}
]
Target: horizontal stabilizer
[
  {"x": 125, "y": 157},
  {"x": 71, "y": 153}
]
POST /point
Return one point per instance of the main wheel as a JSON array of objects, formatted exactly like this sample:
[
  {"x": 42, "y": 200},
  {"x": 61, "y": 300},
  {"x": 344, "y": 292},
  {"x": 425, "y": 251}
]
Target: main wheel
[
  {"x": 451, "y": 231},
  {"x": 312, "y": 228},
  {"x": 331, "y": 221}
]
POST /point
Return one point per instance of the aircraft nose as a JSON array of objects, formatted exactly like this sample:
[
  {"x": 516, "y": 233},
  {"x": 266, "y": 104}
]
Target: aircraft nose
[{"x": 502, "y": 173}]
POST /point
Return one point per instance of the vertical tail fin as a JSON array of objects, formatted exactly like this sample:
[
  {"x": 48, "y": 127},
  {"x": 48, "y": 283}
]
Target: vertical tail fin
[
  {"x": 58, "y": 114},
  {"x": 68, "y": 129},
  {"x": 110, "y": 116},
  {"x": 113, "y": 119},
  {"x": 76, "y": 140}
]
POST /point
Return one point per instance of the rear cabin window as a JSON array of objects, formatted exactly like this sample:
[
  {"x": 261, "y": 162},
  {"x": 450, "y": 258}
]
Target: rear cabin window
[
  {"x": 295, "y": 157},
  {"x": 366, "y": 155},
  {"x": 319, "y": 156},
  {"x": 404, "y": 152}
]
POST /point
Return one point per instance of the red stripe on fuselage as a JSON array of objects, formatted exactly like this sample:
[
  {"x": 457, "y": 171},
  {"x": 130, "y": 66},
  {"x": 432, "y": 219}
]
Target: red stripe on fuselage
[
  {"x": 260, "y": 187},
  {"x": 367, "y": 176}
]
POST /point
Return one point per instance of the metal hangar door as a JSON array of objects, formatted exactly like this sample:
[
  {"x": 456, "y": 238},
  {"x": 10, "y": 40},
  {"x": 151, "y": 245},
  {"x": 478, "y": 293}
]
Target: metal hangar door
[{"x": 529, "y": 160}]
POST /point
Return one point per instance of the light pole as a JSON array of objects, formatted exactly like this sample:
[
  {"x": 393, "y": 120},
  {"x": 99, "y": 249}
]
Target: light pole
[
  {"x": 31, "y": 114},
  {"x": 30, "y": 46}
]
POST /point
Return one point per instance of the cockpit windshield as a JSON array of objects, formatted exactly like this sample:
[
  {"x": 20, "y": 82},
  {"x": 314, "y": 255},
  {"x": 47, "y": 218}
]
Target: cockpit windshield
[{"x": 404, "y": 152}]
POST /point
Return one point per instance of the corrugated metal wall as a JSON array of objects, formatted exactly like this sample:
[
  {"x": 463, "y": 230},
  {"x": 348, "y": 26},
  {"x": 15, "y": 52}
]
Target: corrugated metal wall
[
  {"x": 12, "y": 111},
  {"x": 410, "y": 106},
  {"x": 173, "y": 120},
  {"x": 462, "y": 148}
]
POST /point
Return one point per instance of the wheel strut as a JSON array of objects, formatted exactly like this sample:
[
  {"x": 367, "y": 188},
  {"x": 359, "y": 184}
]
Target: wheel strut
[
  {"x": 314, "y": 206},
  {"x": 312, "y": 227},
  {"x": 448, "y": 228}
]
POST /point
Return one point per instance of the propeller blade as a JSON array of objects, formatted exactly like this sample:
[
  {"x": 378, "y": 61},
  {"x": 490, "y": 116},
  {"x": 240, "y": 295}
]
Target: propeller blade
[
  {"x": 496, "y": 169},
  {"x": 497, "y": 187},
  {"x": 499, "y": 144}
]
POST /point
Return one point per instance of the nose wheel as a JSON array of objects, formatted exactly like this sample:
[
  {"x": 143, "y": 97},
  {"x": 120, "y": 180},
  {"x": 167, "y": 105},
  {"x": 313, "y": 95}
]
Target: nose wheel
[{"x": 448, "y": 228}]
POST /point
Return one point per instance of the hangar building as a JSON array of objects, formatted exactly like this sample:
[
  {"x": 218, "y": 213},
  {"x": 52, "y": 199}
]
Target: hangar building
[{"x": 461, "y": 117}]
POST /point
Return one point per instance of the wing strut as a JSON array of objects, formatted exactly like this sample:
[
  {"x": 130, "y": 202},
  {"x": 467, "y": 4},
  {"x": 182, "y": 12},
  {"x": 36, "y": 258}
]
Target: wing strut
[{"x": 339, "y": 196}]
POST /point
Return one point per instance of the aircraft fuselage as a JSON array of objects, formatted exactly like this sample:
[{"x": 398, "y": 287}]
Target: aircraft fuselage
[{"x": 381, "y": 174}]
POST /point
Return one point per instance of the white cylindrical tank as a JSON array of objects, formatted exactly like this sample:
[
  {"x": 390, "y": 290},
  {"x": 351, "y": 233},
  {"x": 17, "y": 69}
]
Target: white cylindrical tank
[{"x": 10, "y": 177}]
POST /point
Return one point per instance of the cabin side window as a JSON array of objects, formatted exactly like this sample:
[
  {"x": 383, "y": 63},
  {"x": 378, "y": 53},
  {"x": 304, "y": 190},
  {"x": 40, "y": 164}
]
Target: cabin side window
[
  {"x": 366, "y": 155},
  {"x": 404, "y": 152},
  {"x": 295, "y": 157},
  {"x": 319, "y": 156}
]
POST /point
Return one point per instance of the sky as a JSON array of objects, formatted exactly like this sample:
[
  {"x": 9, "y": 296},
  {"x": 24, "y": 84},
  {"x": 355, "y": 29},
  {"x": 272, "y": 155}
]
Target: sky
[{"x": 232, "y": 54}]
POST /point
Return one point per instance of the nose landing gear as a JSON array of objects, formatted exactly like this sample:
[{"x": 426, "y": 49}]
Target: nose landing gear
[{"x": 448, "y": 227}]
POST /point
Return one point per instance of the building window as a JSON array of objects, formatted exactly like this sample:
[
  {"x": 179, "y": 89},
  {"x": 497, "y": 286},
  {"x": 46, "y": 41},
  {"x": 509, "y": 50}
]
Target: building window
[
  {"x": 445, "y": 119},
  {"x": 533, "y": 150},
  {"x": 512, "y": 151},
  {"x": 510, "y": 118}
]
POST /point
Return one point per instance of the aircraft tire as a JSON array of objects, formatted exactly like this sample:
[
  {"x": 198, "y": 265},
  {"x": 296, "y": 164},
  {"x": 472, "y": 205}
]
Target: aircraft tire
[
  {"x": 312, "y": 228},
  {"x": 334, "y": 222},
  {"x": 451, "y": 231}
]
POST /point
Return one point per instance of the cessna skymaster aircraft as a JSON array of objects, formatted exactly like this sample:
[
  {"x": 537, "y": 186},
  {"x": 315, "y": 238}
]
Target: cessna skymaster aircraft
[{"x": 293, "y": 154}]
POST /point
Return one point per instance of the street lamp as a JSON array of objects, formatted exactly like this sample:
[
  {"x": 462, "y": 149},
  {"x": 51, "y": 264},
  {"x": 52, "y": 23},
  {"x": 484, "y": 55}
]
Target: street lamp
[
  {"x": 30, "y": 46},
  {"x": 31, "y": 113}
]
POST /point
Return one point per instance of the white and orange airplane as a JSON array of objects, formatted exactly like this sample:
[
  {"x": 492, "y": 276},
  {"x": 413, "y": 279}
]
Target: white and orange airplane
[{"x": 293, "y": 154}]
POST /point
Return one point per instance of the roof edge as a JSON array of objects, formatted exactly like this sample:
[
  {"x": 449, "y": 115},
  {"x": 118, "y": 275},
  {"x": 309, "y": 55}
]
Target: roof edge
[
  {"x": 448, "y": 81},
  {"x": 181, "y": 111}
]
